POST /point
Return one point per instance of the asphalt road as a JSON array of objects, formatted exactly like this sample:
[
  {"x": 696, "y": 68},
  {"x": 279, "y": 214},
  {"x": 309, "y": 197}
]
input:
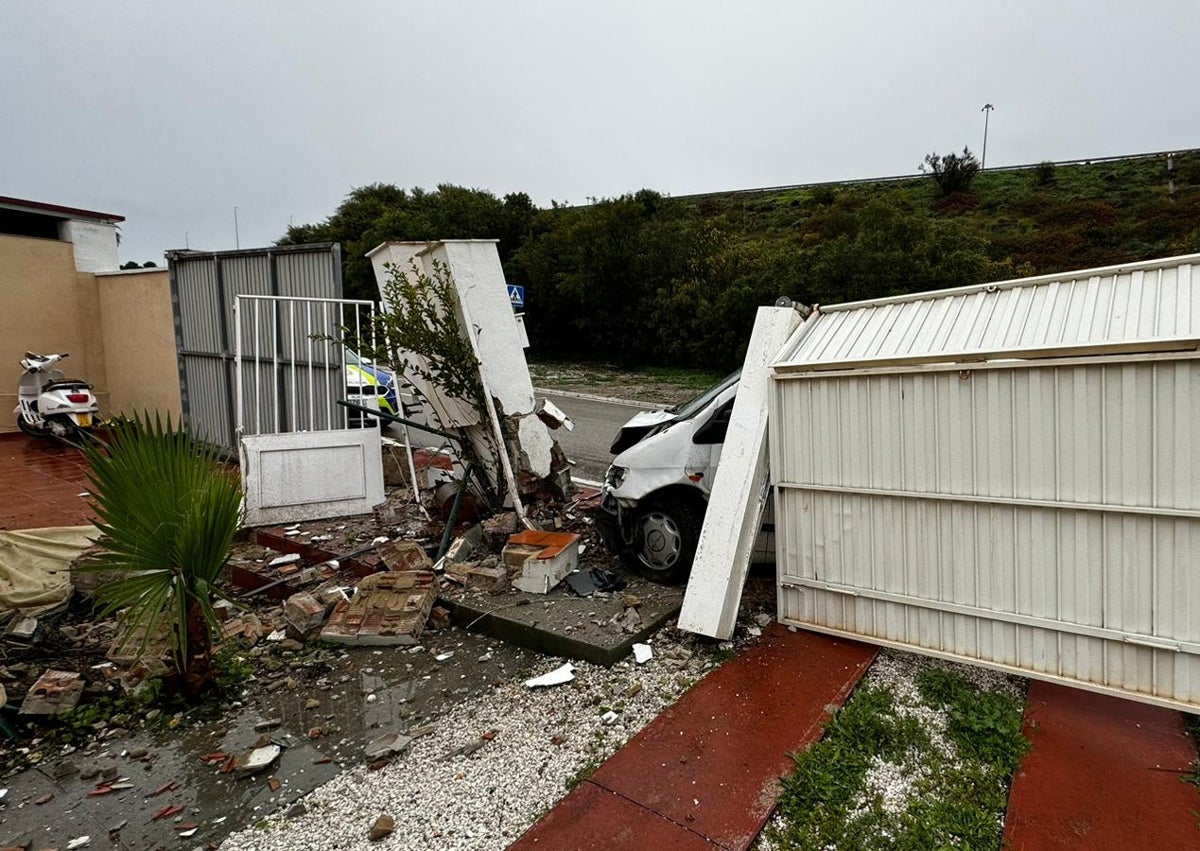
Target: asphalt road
[{"x": 596, "y": 425}]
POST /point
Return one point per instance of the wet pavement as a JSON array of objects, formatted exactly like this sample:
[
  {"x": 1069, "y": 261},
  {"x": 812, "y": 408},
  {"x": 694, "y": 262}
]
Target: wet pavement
[
  {"x": 42, "y": 482},
  {"x": 1102, "y": 772},
  {"x": 705, "y": 773},
  {"x": 361, "y": 695}
]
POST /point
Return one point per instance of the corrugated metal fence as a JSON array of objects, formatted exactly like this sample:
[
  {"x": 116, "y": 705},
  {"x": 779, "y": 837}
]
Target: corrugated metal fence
[
  {"x": 204, "y": 286},
  {"x": 1032, "y": 513}
]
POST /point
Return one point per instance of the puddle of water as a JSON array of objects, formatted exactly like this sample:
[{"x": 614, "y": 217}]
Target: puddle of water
[{"x": 362, "y": 693}]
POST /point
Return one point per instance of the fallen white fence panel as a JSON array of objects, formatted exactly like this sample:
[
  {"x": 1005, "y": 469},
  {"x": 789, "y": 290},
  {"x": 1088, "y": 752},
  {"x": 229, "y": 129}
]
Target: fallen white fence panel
[
  {"x": 739, "y": 492},
  {"x": 1035, "y": 515}
]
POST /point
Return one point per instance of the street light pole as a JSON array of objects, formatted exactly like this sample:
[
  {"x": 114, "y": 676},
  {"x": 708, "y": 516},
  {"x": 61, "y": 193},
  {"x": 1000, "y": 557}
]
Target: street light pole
[
  {"x": 237, "y": 240},
  {"x": 987, "y": 111}
]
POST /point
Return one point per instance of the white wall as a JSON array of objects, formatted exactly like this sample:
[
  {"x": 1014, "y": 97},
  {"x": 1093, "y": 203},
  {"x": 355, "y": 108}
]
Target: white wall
[{"x": 95, "y": 244}]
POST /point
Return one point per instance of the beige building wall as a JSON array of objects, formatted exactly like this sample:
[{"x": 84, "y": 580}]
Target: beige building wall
[
  {"x": 117, "y": 327},
  {"x": 46, "y": 306},
  {"x": 139, "y": 342}
]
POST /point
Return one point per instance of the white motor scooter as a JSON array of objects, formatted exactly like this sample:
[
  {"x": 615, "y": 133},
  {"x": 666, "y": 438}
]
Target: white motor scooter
[{"x": 48, "y": 405}]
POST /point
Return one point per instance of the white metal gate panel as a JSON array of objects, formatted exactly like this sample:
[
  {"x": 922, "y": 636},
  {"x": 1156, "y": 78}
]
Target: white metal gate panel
[
  {"x": 1041, "y": 517},
  {"x": 299, "y": 459}
]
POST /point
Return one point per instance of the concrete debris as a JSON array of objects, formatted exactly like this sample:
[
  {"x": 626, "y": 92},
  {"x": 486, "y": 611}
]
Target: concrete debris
[
  {"x": 79, "y": 842},
  {"x": 763, "y": 619},
  {"x": 25, "y": 629},
  {"x": 54, "y": 692},
  {"x": 642, "y": 653},
  {"x": 499, "y": 527},
  {"x": 303, "y": 613},
  {"x": 402, "y": 556},
  {"x": 439, "y": 618},
  {"x": 608, "y": 718},
  {"x": 386, "y": 745},
  {"x": 290, "y": 558},
  {"x": 255, "y": 759},
  {"x": 479, "y": 576},
  {"x": 465, "y": 545},
  {"x": 246, "y": 627},
  {"x": 389, "y": 608},
  {"x": 557, "y": 677},
  {"x": 553, "y": 416},
  {"x": 382, "y": 829},
  {"x": 465, "y": 750},
  {"x": 146, "y": 643},
  {"x": 630, "y": 621},
  {"x": 544, "y": 558}
]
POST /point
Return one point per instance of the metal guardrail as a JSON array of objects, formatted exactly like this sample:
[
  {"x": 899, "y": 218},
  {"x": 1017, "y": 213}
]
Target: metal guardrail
[{"x": 896, "y": 178}]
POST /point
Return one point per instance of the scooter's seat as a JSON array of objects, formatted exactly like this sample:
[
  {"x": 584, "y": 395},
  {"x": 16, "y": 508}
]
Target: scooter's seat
[{"x": 65, "y": 384}]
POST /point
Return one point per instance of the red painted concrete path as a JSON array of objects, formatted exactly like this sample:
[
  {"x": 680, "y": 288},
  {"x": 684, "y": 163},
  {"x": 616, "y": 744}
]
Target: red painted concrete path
[
  {"x": 40, "y": 483},
  {"x": 1102, "y": 773},
  {"x": 704, "y": 774}
]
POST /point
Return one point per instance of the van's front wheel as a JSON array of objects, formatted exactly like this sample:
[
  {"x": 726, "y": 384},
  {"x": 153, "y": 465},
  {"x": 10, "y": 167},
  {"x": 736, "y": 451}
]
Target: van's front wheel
[{"x": 664, "y": 542}]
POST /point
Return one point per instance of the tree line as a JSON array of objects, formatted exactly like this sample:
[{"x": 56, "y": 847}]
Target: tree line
[{"x": 647, "y": 279}]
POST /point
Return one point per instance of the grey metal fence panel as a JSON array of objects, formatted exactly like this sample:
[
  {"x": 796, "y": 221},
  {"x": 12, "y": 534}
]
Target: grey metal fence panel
[{"x": 204, "y": 286}]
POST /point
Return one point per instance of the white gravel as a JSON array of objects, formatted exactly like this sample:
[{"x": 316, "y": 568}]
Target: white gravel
[{"x": 489, "y": 798}]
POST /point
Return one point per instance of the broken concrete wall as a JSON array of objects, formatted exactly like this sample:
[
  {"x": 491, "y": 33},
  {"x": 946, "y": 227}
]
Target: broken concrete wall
[{"x": 485, "y": 314}]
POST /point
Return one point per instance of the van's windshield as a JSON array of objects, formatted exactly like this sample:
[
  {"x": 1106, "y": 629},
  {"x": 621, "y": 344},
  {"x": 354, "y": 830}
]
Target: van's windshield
[{"x": 694, "y": 406}]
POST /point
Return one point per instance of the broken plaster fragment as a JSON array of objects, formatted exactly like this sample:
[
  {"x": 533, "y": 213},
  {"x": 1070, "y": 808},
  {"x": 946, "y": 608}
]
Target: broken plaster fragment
[
  {"x": 558, "y": 676},
  {"x": 642, "y": 653}
]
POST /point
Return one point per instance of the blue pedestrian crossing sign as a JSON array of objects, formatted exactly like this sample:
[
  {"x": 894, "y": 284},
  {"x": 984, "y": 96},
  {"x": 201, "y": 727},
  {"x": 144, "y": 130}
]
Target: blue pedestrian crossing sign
[{"x": 516, "y": 296}]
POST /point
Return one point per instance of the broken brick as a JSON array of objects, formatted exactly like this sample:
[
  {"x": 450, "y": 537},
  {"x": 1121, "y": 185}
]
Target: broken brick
[
  {"x": 402, "y": 556},
  {"x": 54, "y": 692},
  {"x": 389, "y": 608}
]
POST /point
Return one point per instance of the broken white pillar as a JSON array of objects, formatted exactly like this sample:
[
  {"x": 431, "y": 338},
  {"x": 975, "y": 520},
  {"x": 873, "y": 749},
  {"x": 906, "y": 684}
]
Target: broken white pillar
[
  {"x": 486, "y": 316},
  {"x": 739, "y": 492}
]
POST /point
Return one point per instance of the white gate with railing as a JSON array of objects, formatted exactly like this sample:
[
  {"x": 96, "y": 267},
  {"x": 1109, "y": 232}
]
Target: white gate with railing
[{"x": 301, "y": 458}]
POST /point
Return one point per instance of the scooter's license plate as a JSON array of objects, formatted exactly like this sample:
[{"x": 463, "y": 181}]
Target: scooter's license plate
[{"x": 85, "y": 420}]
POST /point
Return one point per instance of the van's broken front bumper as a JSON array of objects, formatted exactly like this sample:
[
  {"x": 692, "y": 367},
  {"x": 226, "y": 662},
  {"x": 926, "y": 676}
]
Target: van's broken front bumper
[{"x": 614, "y": 522}]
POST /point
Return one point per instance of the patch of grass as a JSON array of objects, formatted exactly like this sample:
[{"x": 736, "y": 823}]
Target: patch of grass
[
  {"x": 232, "y": 668},
  {"x": 984, "y": 725},
  {"x": 693, "y": 379},
  {"x": 922, "y": 771},
  {"x": 1193, "y": 729},
  {"x": 585, "y": 771}
]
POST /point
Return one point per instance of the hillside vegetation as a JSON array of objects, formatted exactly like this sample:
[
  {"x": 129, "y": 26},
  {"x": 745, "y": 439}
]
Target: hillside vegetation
[{"x": 648, "y": 279}]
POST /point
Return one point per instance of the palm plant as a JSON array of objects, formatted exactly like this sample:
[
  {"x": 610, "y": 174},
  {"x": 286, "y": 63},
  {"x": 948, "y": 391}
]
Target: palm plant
[{"x": 168, "y": 511}]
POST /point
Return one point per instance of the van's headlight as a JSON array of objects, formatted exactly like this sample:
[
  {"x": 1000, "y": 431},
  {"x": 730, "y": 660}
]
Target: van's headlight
[{"x": 615, "y": 476}]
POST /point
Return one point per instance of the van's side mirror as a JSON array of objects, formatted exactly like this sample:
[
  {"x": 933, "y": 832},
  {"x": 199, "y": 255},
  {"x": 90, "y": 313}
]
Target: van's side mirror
[{"x": 714, "y": 430}]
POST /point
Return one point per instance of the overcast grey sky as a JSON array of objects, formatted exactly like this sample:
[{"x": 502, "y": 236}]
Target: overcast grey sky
[{"x": 173, "y": 113}]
